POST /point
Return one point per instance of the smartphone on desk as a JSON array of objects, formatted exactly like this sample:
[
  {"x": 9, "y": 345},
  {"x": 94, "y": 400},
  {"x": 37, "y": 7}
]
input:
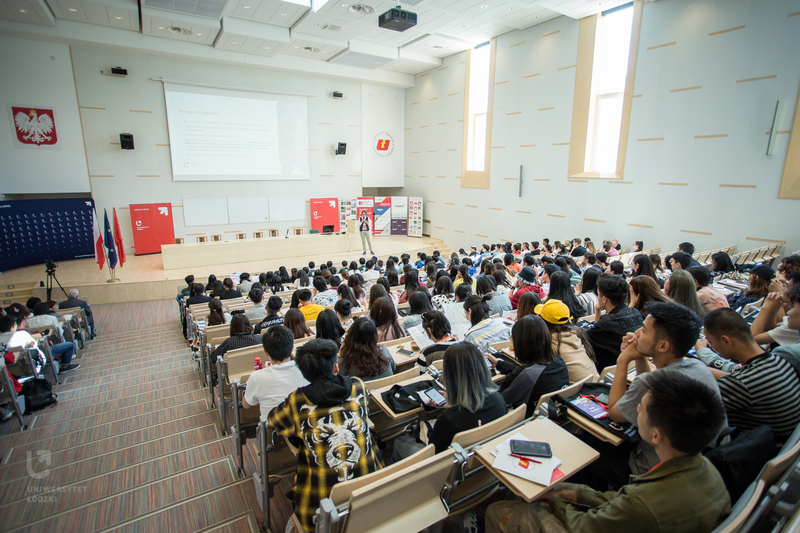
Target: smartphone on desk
[
  {"x": 529, "y": 448},
  {"x": 405, "y": 352}
]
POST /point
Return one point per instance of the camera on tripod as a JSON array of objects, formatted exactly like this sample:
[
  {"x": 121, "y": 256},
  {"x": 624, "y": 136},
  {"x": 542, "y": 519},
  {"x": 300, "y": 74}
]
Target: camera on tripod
[{"x": 50, "y": 267}]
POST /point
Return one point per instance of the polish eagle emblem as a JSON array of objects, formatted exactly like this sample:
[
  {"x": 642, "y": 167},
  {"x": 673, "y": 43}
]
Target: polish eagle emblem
[{"x": 35, "y": 128}]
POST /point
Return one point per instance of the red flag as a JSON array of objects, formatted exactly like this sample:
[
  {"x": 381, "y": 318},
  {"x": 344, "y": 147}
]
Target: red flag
[
  {"x": 118, "y": 240},
  {"x": 99, "y": 256}
]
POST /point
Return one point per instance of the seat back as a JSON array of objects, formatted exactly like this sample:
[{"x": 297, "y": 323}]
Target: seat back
[
  {"x": 408, "y": 500},
  {"x": 742, "y": 509},
  {"x": 177, "y": 240},
  {"x": 494, "y": 428},
  {"x": 213, "y": 332},
  {"x": 240, "y": 362},
  {"x": 202, "y": 238},
  {"x": 258, "y": 234},
  {"x": 567, "y": 391},
  {"x": 241, "y": 236},
  {"x": 216, "y": 238},
  {"x": 395, "y": 342}
]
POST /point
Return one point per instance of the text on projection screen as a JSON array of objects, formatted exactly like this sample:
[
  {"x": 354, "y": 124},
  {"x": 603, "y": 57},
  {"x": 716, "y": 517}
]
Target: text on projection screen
[{"x": 219, "y": 134}]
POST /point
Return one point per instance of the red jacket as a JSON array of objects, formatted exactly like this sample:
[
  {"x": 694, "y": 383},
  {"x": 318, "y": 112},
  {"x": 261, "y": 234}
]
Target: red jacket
[{"x": 528, "y": 288}]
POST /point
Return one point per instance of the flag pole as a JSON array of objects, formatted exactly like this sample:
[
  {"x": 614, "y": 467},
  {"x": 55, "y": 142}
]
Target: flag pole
[{"x": 113, "y": 278}]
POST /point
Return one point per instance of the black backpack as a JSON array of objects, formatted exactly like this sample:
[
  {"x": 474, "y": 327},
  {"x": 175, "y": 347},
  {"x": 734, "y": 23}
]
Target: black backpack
[
  {"x": 38, "y": 394},
  {"x": 405, "y": 398},
  {"x": 740, "y": 460}
]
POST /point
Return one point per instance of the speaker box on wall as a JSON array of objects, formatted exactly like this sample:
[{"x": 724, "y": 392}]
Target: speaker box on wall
[
  {"x": 341, "y": 149},
  {"x": 126, "y": 141}
]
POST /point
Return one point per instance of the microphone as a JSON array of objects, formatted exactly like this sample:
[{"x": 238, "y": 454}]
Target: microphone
[{"x": 287, "y": 233}]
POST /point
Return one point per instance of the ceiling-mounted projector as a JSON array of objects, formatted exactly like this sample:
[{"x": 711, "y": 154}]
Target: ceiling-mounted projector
[{"x": 397, "y": 19}]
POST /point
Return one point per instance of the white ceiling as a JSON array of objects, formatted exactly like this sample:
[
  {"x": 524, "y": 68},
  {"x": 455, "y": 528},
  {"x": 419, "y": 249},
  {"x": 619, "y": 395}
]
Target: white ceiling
[{"x": 329, "y": 31}]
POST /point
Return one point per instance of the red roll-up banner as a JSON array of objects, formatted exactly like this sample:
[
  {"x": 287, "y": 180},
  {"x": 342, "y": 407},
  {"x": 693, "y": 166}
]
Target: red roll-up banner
[
  {"x": 152, "y": 226},
  {"x": 325, "y": 212}
]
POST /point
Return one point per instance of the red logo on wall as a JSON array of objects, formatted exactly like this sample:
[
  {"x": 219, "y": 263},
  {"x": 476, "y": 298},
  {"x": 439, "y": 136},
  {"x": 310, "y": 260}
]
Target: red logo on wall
[
  {"x": 383, "y": 144},
  {"x": 35, "y": 126}
]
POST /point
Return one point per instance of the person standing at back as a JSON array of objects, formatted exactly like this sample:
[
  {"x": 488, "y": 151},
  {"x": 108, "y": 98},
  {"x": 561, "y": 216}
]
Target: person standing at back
[{"x": 365, "y": 230}]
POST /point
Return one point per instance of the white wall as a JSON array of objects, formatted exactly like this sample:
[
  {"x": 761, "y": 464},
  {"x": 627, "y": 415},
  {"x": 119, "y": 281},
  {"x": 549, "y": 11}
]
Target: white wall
[
  {"x": 40, "y": 74},
  {"x": 383, "y": 119},
  {"x": 552, "y": 206},
  {"x": 144, "y": 175}
]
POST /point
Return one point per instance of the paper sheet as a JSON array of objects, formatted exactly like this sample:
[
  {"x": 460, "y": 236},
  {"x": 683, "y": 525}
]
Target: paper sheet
[
  {"x": 459, "y": 325},
  {"x": 541, "y": 472},
  {"x": 420, "y": 337}
]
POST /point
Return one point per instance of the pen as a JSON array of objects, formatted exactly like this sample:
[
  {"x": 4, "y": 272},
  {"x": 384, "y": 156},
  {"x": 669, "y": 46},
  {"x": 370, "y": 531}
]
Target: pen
[{"x": 526, "y": 458}]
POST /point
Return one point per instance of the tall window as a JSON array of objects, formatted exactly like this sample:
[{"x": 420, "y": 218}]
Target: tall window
[
  {"x": 480, "y": 62},
  {"x": 613, "y": 39}
]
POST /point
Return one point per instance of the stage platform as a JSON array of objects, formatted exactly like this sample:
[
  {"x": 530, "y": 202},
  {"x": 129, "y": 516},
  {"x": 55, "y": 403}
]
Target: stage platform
[{"x": 144, "y": 278}]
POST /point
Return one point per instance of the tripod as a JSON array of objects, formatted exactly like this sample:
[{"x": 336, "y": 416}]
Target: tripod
[{"x": 50, "y": 268}]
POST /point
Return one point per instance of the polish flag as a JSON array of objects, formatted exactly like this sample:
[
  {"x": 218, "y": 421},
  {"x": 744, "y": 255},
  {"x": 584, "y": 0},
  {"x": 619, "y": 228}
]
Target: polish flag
[{"x": 99, "y": 256}]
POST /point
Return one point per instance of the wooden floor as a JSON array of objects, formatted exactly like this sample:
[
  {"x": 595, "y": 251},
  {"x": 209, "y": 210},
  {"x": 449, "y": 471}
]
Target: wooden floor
[{"x": 143, "y": 278}]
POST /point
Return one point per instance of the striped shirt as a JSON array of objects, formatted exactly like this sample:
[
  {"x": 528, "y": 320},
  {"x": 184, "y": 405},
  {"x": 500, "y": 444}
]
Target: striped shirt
[
  {"x": 765, "y": 391},
  {"x": 488, "y": 331}
]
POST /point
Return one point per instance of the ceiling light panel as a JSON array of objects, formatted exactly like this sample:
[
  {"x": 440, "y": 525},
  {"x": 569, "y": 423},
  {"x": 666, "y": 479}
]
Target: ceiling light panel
[
  {"x": 153, "y": 22},
  {"x": 326, "y": 50},
  {"x": 30, "y": 11},
  {"x": 200, "y": 8},
  {"x": 123, "y": 14}
]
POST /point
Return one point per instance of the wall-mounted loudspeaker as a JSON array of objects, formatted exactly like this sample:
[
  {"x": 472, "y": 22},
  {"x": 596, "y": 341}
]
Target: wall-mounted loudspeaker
[
  {"x": 341, "y": 149},
  {"x": 126, "y": 141},
  {"x": 338, "y": 95}
]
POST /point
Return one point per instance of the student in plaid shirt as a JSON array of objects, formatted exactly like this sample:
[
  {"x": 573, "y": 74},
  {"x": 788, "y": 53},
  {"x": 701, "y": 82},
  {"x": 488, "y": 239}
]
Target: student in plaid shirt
[{"x": 329, "y": 418}]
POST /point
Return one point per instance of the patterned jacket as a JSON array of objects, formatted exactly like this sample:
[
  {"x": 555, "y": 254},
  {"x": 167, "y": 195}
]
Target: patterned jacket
[{"x": 329, "y": 417}]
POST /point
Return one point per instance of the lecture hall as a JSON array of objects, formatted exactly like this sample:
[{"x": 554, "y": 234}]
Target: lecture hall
[{"x": 441, "y": 266}]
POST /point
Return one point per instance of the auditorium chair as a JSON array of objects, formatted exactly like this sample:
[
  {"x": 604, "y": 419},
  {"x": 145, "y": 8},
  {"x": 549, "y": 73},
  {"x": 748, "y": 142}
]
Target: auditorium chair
[
  {"x": 276, "y": 462},
  {"x": 245, "y": 421},
  {"x": 258, "y": 234},
  {"x": 202, "y": 238},
  {"x": 299, "y": 231},
  {"x": 8, "y": 395},
  {"x": 272, "y": 232},
  {"x": 241, "y": 236},
  {"x": 216, "y": 238},
  {"x": 234, "y": 366},
  {"x": 177, "y": 240},
  {"x": 382, "y": 425}
]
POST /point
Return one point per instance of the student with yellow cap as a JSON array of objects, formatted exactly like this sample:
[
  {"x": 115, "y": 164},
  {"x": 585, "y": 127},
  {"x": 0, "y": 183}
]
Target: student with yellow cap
[{"x": 569, "y": 343}]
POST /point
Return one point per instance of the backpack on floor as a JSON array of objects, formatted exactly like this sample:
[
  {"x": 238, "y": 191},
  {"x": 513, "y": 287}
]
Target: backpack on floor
[
  {"x": 740, "y": 460},
  {"x": 38, "y": 394}
]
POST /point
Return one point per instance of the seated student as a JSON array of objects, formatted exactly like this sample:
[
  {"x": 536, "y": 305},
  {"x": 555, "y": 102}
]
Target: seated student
[
  {"x": 527, "y": 305},
  {"x": 539, "y": 371},
  {"x": 760, "y": 284},
  {"x": 309, "y": 309},
  {"x": 356, "y": 284},
  {"x": 216, "y": 315},
  {"x": 511, "y": 264},
  {"x": 586, "y": 290},
  {"x": 721, "y": 263},
  {"x": 73, "y": 301},
  {"x": 569, "y": 343},
  {"x": 561, "y": 289},
  {"x": 329, "y": 327},
  {"x": 271, "y": 385},
  {"x": 688, "y": 249},
  {"x": 230, "y": 293},
  {"x": 472, "y": 400},
  {"x": 197, "y": 295},
  {"x": 324, "y": 295},
  {"x": 245, "y": 283},
  {"x": 463, "y": 276},
  {"x": 344, "y": 293},
  {"x": 241, "y": 336},
  {"x": 643, "y": 290},
  {"x": 617, "y": 268},
  {"x": 370, "y": 273},
  {"x": 792, "y": 352},
  {"x": 327, "y": 421},
  {"x": 461, "y": 293},
  {"x": 295, "y": 321},
  {"x": 680, "y": 261},
  {"x": 525, "y": 282},
  {"x": 765, "y": 390},
  {"x": 42, "y": 317},
  {"x": 343, "y": 309},
  {"x": 498, "y": 301},
  {"x": 13, "y": 335},
  {"x": 619, "y": 319},
  {"x": 666, "y": 336},
  {"x": 384, "y": 313},
  {"x": 710, "y": 298},
  {"x": 419, "y": 303},
  {"x": 443, "y": 292},
  {"x": 259, "y": 310},
  {"x": 52, "y": 307},
  {"x": 273, "y": 318},
  {"x": 682, "y": 288},
  {"x": 302, "y": 280},
  {"x": 360, "y": 356},
  {"x": 577, "y": 249},
  {"x": 771, "y": 323},
  {"x": 683, "y": 493},
  {"x": 484, "y": 330},
  {"x": 411, "y": 286},
  {"x": 185, "y": 291},
  {"x": 437, "y": 327}
]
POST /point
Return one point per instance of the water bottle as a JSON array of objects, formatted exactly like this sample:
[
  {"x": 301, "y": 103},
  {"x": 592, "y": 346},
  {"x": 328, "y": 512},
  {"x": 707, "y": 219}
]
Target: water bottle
[{"x": 257, "y": 364}]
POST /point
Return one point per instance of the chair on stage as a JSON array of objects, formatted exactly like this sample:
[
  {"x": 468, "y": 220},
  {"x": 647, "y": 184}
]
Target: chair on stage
[
  {"x": 272, "y": 232},
  {"x": 202, "y": 239},
  {"x": 177, "y": 240},
  {"x": 258, "y": 234},
  {"x": 241, "y": 236},
  {"x": 299, "y": 231},
  {"x": 216, "y": 238}
]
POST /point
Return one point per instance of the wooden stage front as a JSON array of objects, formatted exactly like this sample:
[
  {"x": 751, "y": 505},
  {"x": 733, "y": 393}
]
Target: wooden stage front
[{"x": 145, "y": 278}]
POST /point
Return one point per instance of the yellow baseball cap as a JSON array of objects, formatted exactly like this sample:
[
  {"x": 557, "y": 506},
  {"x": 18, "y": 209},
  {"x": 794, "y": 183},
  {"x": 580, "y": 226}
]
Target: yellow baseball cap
[{"x": 553, "y": 311}]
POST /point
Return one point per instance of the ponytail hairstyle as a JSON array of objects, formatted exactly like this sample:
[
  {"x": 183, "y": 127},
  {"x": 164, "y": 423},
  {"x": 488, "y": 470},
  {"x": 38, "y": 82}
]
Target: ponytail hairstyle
[
  {"x": 465, "y": 277},
  {"x": 347, "y": 295},
  {"x": 478, "y": 308},
  {"x": 216, "y": 315}
]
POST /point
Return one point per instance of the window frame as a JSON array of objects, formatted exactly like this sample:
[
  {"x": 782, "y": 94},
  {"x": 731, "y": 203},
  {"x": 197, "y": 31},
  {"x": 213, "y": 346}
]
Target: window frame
[
  {"x": 478, "y": 179},
  {"x": 584, "y": 108}
]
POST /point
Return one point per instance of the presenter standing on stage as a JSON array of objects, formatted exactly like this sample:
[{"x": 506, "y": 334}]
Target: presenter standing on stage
[{"x": 366, "y": 232}]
